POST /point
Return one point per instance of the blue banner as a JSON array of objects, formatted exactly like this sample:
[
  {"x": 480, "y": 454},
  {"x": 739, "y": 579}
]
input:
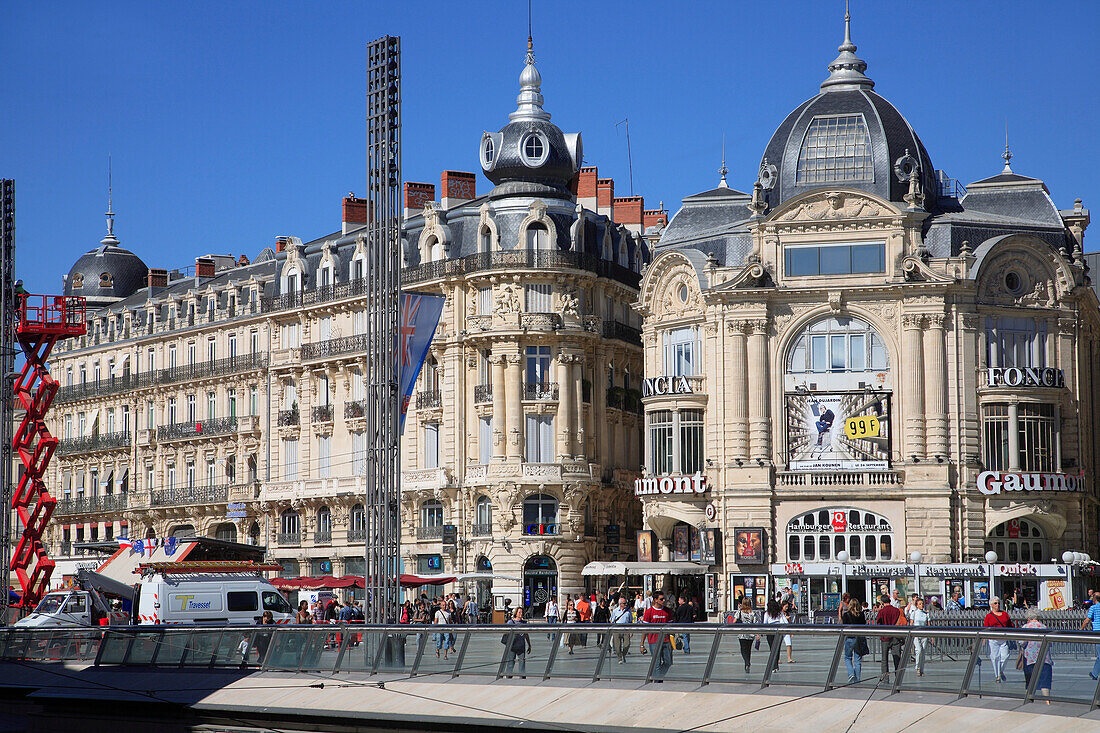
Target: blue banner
[{"x": 419, "y": 319}]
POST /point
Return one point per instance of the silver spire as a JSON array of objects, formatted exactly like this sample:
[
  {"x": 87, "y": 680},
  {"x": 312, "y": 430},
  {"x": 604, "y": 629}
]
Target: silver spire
[
  {"x": 846, "y": 71},
  {"x": 529, "y": 101},
  {"x": 110, "y": 240},
  {"x": 1007, "y": 154},
  {"x": 723, "y": 170}
]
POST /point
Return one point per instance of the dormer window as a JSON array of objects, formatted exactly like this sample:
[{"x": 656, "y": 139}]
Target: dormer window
[
  {"x": 534, "y": 149},
  {"x": 488, "y": 151},
  {"x": 78, "y": 280},
  {"x": 836, "y": 148},
  {"x": 106, "y": 281}
]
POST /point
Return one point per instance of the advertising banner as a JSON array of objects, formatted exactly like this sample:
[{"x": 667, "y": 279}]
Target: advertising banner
[{"x": 838, "y": 431}]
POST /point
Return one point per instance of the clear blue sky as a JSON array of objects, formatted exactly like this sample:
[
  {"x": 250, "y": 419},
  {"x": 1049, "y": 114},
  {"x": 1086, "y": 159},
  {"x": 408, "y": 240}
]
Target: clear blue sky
[{"x": 231, "y": 123}]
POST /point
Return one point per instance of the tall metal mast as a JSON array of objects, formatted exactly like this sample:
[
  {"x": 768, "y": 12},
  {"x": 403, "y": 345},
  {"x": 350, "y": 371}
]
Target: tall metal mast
[
  {"x": 7, "y": 366},
  {"x": 383, "y": 492}
]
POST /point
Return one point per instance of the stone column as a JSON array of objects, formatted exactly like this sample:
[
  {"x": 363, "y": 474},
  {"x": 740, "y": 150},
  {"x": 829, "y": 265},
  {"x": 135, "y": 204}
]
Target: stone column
[
  {"x": 513, "y": 380},
  {"x": 935, "y": 408},
  {"x": 759, "y": 425},
  {"x": 1068, "y": 431},
  {"x": 1013, "y": 436},
  {"x": 565, "y": 429},
  {"x": 598, "y": 408},
  {"x": 912, "y": 372},
  {"x": 737, "y": 403},
  {"x": 500, "y": 420},
  {"x": 580, "y": 435}
]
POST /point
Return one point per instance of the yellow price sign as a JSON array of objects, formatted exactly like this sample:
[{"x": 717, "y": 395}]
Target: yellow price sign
[{"x": 864, "y": 426}]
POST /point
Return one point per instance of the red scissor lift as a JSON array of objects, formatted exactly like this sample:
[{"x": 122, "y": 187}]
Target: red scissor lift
[{"x": 41, "y": 320}]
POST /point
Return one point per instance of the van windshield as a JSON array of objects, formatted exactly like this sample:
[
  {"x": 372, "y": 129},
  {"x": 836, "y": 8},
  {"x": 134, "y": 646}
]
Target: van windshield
[
  {"x": 51, "y": 604},
  {"x": 274, "y": 601}
]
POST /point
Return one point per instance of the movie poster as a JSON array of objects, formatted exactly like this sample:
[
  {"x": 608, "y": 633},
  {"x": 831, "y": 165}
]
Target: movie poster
[
  {"x": 647, "y": 544},
  {"x": 681, "y": 549},
  {"x": 748, "y": 545},
  {"x": 710, "y": 547},
  {"x": 838, "y": 431},
  {"x": 696, "y": 545}
]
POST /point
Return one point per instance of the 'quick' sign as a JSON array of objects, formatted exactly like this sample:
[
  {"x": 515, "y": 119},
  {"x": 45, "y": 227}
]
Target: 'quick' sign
[
  {"x": 656, "y": 386},
  {"x": 1026, "y": 377},
  {"x": 696, "y": 484},
  {"x": 994, "y": 482}
]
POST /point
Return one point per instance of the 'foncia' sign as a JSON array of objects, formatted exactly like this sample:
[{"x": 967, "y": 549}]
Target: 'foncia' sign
[
  {"x": 656, "y": 386},
  {"x": 994, "y": 482},
  {"x": 1026, "y": 377},
  {"x": 696, "y": 484}
]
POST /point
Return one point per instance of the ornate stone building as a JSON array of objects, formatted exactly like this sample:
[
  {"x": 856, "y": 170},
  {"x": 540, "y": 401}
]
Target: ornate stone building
[
  {"x": 876, "y": 362},
  {"x": 228, "y": 401}
]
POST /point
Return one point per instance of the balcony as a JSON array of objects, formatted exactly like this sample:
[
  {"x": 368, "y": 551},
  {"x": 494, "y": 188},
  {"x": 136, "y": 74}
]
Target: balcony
[
  {"x": 172, "y": 375},
  {"x": 840, "y": 478},
  {"x": 289, "y": 539},
  {"x": 357, "y": 535},
  {"x": 615, "y": 397},
  {"x": 540, "y": 321},
  {"x": 430, "y": 533},
  {"x": 191, "y": 495},
  {"x": 523, "y": 259},
  {"x": 323, "y": 294},
  {"x": 540, "y": 390},
  {"x": 322, "y": 537},
  {"x": 428, "y": 400},
  {"x": 321, "y": 413},
  {"x": 197, "y": 429},
  {"x": 622, "y": 332},
  {"x": 91, "y": 504},
  {"x": 103, "y": 441},
  {"x": 483, "y": 393},
  {"x": 483, "y": 529},
  {"x": 354, "y": 410},
  {"x": 335, "y": 347},
  {"x": 288, "y": 418},
  {"x": 425, "y": 478}
]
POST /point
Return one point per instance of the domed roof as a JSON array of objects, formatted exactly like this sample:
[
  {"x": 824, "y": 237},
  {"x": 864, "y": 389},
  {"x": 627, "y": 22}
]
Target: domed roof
[
  {"x": 107, "y": 273},
  {"x": 530, "y": 149},
  {"x": 846, "y": 136}
]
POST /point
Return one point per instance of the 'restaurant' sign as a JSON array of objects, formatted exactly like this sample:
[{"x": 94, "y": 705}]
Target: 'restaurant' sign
[
  {"x": 994, "y": 482},
  {"x": 1026, "y": 377},
  {"x": 657, "y": 386},
  {"x": 693, "y": 485}
]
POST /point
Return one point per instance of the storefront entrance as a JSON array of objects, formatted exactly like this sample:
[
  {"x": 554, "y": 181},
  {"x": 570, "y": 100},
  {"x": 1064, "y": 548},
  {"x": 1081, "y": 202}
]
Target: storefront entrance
[{"x": 540, "y": 584}]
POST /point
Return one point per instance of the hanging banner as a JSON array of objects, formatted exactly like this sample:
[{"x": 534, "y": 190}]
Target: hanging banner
[
  {"x": 419, "y": 319},
  {"x": 838, "y": 431}
]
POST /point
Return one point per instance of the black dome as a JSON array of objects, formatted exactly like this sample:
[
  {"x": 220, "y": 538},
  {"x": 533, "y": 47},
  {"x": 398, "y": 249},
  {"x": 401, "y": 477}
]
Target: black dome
[{"x": 106, "y": 274}]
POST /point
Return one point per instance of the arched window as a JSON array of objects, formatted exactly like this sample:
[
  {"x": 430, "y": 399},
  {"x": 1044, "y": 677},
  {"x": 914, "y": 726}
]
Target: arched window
[
  {"x": 540, "y": 514},
  {"x": 254, "y": 534},
  {"x": 357, "y": 524},
  {"x": 538, "y": 237},
  {"x": 324, "y": 525},
  {"x": 838, "y": 345},
  {"x": 290, "y": 523},
  {"x": 1018, "y": 540},
  {"x": 836, "y": 148},
  {"x": 485, "y": 240},
  {"x": 483, "y": 517},
  {"x": 182, "y": 530},
  {"x": 820, "y": 535},
  {"x": 293, "y": 283},
  {"x": 226, "y": 532},
  {"x": 431, "y": 514}
]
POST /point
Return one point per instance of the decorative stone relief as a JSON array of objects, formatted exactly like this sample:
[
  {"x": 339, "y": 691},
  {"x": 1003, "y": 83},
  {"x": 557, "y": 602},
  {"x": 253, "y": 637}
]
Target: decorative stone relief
[{"x": 833, "y": 205}]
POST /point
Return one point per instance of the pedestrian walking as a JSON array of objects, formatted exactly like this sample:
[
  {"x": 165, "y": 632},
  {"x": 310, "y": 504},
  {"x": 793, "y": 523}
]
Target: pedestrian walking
[
  {"x": 685, "y": 614},
  {"x": 571, "y": 617},
  {"x": 787, "y": 609},
  {"x": 441, "y": 618},
  {"x": 1030, "y": 653},
  {"x": 452, "y": 615},
  {"x": 519, "y": 646},
  {"x": 845, "y": 601},
  {"x": 744, "y": 615},
  {"x": 658, "y": 614},
  {"x": 1092, "y": 621},
  {"x": 889, "y": 615},
  {"x": 919, "y": 617},
  {"x": 601, "y": 615},
  {"x": 998, "y": 648},
  {"x": 855, "y": 647},
  {"x": 622, "y": 614},
  {"x": 470, "y": 610},
  {"x": 773, "y": 614},
  {"x": 584, "y": 615}
]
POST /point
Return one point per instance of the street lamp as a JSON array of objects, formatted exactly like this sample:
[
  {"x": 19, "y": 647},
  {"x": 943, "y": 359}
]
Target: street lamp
[
  {"x": 991, "y": 557},
  {"x": 843, "y": 557},
  {"x": 915, "y": 557}
]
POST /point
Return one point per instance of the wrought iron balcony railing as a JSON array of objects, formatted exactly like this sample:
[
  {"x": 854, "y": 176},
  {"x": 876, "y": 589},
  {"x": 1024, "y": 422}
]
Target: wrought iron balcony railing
[
  {"x": 289, "y": 418},
  {"x": 189, "y": 495},
  {"x": 426, "y": 400},
  {"x": 321, "y": 413},
  {"x": 355, "y": 409},
  {"x": 622, "y": 332},
  {"x": 429, "y": 533},
  {"x": 540, "y": 390},
  {"x": 615, "y": 397},
  {"x": 357, "y": 535},
  {"x": 322, "y": 537},
  {"x": 520, "y": 259},
  {"x": 483, "y": 393},
  {"x": 288, "y": 539},
  {"x": 197, "y": 429},
  {"x": 335, "y": 347},
  {"x": 483, "y": 529},
  {"x": 87, "y": 444},
  {"x": 171, "y": 375},
  {"x": 91, "y": 504},
  {"x": 322, "y": 294}
]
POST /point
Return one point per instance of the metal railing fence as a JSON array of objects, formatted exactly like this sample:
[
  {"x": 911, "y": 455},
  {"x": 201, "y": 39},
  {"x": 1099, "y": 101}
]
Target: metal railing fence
[{"x": 744, "y": 654}]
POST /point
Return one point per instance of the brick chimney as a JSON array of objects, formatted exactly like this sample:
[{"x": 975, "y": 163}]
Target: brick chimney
[
  {"x": 586, "y": 187},
  {"x": 356, "y": 213},
  {"x": 204, "y": 267},
  {"x": 456, "y": 187},
  {"x": 280, "y": 244},
  {"x": 627, "y": 210},
  {"x": 242, "y": 261},
  {"x": 416, "y": 195},
  {"x": 654, "y": 217},
  {"x": 158, "y": 278},
  {"x": 605, "y": 192}
]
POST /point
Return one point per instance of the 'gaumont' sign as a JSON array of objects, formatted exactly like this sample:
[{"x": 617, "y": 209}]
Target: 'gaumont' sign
[
  {"x": 696, "y": 484},
  {"x": 994, "y": 482},
  {"x": 1026, "y": 377},
  {"x": 656, "y": 386}
]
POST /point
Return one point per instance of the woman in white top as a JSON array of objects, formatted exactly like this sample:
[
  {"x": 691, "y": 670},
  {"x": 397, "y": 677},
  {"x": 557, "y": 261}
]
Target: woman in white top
[
  {"x": 919, "y": 617},
  {"x": 773, "y": 614},
  {"x": 551, "y": 612}
]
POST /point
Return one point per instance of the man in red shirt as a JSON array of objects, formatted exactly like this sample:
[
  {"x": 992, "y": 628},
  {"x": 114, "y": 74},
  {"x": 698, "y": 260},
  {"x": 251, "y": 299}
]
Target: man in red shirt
[
  {"x": 584, "y": 616},
  {"x": 888, "y": 615},
  {"x": 658, "y": 614}
]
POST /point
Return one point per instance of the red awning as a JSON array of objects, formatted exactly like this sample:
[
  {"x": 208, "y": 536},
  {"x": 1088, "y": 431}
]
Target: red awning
[{"x": 415, "y": 581}]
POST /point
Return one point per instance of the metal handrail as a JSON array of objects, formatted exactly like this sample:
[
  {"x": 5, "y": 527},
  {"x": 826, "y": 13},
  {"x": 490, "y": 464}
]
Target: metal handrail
[
  {"x": 171, "y": 375},
  {"x": 197, "y": 429},
  {"x": 89, "y": 443}
]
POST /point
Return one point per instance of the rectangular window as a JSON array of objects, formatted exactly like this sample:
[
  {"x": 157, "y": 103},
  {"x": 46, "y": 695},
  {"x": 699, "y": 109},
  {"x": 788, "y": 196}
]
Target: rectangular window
[
  {"x": 151, "y": 360},
  {"x": 538, "y": 364},
  {"x": 150, "y": 415},
  {"x": 484, "y": 301},
  {"x": 660, "y": 442},
  {"x": 172, "y": 356},
  {"x": 540, "y": 438},
  {"x": 125, "y": 421},
  {"x": 253, "y": 400},
  {"x": 190, "y": 352},
  {"x": 484, "y": 367},
  {"x": 681, "y": 352},
  {"x": 171, "y": 476},
  {"x": 239, "y": 600},
  {"x": 211, "y": 405},
  {"x": 232, "y": 343},
  {"x": 254, "y": 341},
  {"x": 358, "y": 454},
  {"x": 537, "y": 296},
  {"x": 290, "y": 460},
  {"x": 431, "y": 445},
  {"x": 190, "y": 474},
  {"x": 192, "y": 410},
  {"x": 1037, "y": 435},
  {"x": 211, "y": 472},
  {"x": 149, "y": 482},
  {"x": 231, "y": 402},
  {"x": 691, "y": 441},
  {"x": 324, "y": 329},
  {"x": 358, "y": 386},
  {"x": 834, "y": 259},
  {"x": 291, "y": 334},
  {"x": 1016, "y": 342},
  {"x": 82, "y": 424},
  {"x": 211, "y": 349},
  {"x": 324, "y": 456},
  {"x": 359, "y": 322},
  {"x": 485, "y": 439}
]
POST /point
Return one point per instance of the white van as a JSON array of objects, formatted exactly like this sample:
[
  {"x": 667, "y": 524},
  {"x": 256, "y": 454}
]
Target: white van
[{"x": 208, "y": 598}]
